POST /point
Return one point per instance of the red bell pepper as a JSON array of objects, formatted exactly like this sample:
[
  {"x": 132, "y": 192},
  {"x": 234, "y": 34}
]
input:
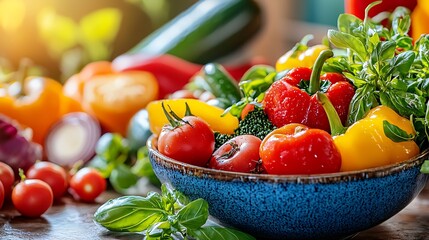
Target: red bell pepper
[
  {"x": 172, "y": 73},
  {"x": 292, "y": 99},
  {"x": 357, "y": 7}
]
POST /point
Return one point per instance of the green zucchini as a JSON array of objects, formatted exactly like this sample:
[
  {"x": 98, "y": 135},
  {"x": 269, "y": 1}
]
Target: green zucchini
[
  {"x": 206, "y": 31},
  {"x": 215, "y": 79}
]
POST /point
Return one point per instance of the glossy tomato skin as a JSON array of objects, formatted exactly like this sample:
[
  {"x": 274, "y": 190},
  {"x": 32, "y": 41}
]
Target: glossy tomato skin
[
  {"x": 297, "y": 149},
  {"x": 51, "y": 173},
  {"x": 2, "y": 196},
  {"x": 32, "y": 197},
  {"x": 7, "y": 177},
  {"x": 87, "y": 184},
  {"x": 192, "y": 142},
  {"x": 239, "y": 154}
]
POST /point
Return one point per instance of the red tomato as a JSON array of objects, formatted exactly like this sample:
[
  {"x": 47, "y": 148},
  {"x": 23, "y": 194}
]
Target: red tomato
[
  {"x": 239, "y": 154},
  {"x": 192, "y": 142},
  {"x": 32, "y": 197},
  {"x": 87, "y": 184},
  {"x": 7, "y": 177},
  {"x": 297, "y": 149},
  {"x": 51, "y": 173},
  {"x": 2, "y": 196}
]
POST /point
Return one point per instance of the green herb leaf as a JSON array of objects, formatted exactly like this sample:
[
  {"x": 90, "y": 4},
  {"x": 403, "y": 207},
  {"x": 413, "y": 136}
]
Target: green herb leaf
[
  {"x": 348, "y": 23},
  {"x": 143, "y": 167},
  {"x": 395, "y": 133},
  {"x": 345, "y": 41},
  {"x": 122, "y": 178},
  {"x": 194, "y": 215},
  {"x": 219, "y": 233},
  {"x": 363, "y": 100},
  {"x": 402, "y": 62},
  {"x": 425, "y": 167},
  {"x": 407, "y": 103},
  {"x": 131, "y": 213}
]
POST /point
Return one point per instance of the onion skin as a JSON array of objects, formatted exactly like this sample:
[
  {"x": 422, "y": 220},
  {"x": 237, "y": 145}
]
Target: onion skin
[{"x": 16, "y": 148}]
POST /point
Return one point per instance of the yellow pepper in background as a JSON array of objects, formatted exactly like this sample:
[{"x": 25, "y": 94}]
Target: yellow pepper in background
[
  {"x": 419, "y": 17},
  {"x": 300, "y": 55},
  {"x": 212, "y": 115},
  {"x": 365, "y": 145}
]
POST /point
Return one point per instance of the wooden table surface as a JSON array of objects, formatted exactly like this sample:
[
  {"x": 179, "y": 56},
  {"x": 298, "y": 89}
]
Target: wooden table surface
[{"x": 72, "y": 220}]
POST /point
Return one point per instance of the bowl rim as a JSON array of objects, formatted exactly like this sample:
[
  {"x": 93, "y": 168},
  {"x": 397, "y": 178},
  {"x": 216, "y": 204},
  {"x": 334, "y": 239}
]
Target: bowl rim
[{"x": 296, "y": 178}]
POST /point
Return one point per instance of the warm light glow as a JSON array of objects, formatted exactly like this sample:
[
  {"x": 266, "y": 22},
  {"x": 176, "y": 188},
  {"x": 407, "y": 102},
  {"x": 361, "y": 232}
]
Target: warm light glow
[{"x": 12, "y": 13}]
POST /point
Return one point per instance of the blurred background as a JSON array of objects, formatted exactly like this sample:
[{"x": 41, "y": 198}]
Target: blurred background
[{"x": 62, "y": 36}]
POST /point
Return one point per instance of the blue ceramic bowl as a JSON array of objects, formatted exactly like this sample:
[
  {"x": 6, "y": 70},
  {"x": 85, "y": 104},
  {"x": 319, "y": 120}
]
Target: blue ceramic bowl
[{"x": 328, "y": 206}]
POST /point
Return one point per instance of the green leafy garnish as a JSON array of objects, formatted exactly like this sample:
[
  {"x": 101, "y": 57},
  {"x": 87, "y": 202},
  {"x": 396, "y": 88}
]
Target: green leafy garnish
[{"x": 161, "y": 216}]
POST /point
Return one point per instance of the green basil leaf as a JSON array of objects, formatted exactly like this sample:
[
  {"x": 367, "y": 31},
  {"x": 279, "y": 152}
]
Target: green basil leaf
[
  {"x": 395, "y": 133},
  {"x": 402, "y": 62},
  {"x": 159, "y": 229},
  {"x": 219, "y": 233},
  {"x": 131, "y": 213},
  {"x": 363, "y": 100},
  {"x": 401, "y": 20},
  {"x": 345, "y": 40},
  {"x": 101, "y": 165},
  {"x": 347, "y": 23},
  {"x": 383, "y": 51},
  {"x": 111, "y": 146},
  {"x": 425, "y": 167},
  {"x": 122, "y": 178},
  {"x": 194, "y": 215},
  {"x": 407, "y": 103},
  {"x": 143, "y": 167},
  {"x": 257, "y": 71}
]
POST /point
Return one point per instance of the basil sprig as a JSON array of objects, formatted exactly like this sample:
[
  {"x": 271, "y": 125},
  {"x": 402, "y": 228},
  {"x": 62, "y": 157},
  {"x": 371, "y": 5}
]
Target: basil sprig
[
  {"x": 384, "y": 65},
  {"x": 162, "y": 216}
]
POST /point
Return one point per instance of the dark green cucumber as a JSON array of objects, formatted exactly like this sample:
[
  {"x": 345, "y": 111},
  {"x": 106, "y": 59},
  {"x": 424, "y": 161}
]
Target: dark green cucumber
[
  {"x": 215, "y": 79},
  {"x": 208, "y": 30}
]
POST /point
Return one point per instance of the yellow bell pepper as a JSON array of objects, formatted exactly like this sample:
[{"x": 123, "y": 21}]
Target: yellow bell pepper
[
  {"x": 364, "y": 144},
  {"x": 212, "y": 115},
  {"x": 300, "y": 55}
]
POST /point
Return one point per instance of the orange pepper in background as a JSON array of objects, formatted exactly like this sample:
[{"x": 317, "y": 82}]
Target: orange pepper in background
[
  {"x": 112, "y": 97},
  {"x": 419, "y": 17},
  {"x": 38, "y": 105}
]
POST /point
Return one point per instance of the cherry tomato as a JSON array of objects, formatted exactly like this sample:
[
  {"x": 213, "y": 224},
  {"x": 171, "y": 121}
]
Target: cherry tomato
[
  {"x": 51, "y": 173},
  {"x": 32, "y": 197},
  {"x": 87, "y": 184},
  {"x": 191, "y": 142},
  {"x": 7, "y": 177},
  {"x": 297, "y": 149},
  {"x": 2, "y": 196},
  {"x": 239, "y": 154}
]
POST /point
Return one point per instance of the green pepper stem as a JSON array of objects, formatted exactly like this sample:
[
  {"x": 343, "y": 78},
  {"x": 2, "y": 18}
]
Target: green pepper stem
[
  {"x": 22, "y": 74},
  {"x": 317, "y": 69},
  {"x": 335, "y": 124}
]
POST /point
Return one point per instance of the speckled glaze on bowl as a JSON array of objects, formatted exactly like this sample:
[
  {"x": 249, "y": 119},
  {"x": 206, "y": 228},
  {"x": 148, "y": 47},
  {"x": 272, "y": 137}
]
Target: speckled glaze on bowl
[{"x": 329, "y": 206}]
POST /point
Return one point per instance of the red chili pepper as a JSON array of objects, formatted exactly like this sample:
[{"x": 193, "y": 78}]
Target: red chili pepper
[
  {"x": 172, "y": 72},
  {"x": 292, "y": 99},
  {"x": 297, "y": 149}
]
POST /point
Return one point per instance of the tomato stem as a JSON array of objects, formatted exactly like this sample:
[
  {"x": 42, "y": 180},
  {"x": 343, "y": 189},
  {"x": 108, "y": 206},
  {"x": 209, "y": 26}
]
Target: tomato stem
[{"x": 21, "y": 174}]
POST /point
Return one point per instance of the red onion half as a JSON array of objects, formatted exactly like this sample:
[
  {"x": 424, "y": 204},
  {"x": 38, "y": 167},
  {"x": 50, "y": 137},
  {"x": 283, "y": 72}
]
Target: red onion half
[{"x": 73, "y": 138}]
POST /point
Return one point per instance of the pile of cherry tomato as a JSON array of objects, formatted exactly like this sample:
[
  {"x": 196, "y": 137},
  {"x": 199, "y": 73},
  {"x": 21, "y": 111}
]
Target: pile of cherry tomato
[{"x": 32, "y": 193}]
